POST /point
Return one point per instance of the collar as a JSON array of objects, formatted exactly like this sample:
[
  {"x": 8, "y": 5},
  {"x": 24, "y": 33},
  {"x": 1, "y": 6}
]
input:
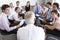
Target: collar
[
  {"x": 5, "y": 14},
  {"x": 30, "y": 25}
]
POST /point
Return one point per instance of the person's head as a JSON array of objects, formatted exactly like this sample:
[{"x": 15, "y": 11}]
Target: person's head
[
  {"x": 17, "y": 9},
  {"x": 28, "y": 3},
  {"x": 49, "y": 4},
  {"x": 30, "y": 17},
  {"x": 37, "y": 3},
  {"x": 43, "y": 5},
  {"x": 17, "y": 3},
  {"x": 55, "y": 6},
  {"x": 5, "y": 8},
  {"x": 54, "y": 14},
  {"x": 11, "y": 5}
]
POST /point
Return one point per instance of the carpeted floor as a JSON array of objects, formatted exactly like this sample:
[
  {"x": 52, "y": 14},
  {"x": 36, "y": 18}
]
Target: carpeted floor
[{"x": 51, "y": 37}]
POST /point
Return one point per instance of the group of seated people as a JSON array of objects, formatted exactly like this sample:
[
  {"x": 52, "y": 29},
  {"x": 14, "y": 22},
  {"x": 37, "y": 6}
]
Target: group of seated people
[
  {"x": 30, "y": 23},
  {"x": 50, "y": 18}
]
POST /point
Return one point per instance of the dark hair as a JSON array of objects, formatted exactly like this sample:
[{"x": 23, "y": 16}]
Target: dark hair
[
  {"x": 43, "y": 4},
  {"x": 4, "y": 7},
  {"x": 28, "y": 1},
  {"x": 57, "y": 5},
  {"x": 17, "y": 2},
  {"x": 49, "y": 3},
  {"x": 16, "y": 8},
  {"x": 55, "y": 12}
]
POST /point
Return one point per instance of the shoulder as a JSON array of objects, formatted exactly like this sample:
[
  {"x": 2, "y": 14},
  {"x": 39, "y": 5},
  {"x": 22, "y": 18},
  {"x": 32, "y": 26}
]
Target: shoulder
[
  {"x": 3, "y": 15},
  {"x": 20, "y": 7},
  {"x": 14, "y": 13},
  {"x": 40, "y": 31},
  {"x": 46, "y": 8},
  {"x": 21, "y": 29},
  {"x": 40, "y": 28}
]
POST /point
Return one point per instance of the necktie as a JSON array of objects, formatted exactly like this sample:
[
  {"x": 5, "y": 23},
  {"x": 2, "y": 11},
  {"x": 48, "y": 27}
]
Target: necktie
[{"x": 37, "y": 10}]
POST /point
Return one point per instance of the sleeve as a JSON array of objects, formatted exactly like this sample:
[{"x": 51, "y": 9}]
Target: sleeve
[
  {"x": 16, "y": 18},
  {"x": 6, "y": 25},
  {"x": 20, "y": 7},
  {"x": 46, "y": 10},
  {"x": 10, "y": 17},
  {"x": 21, "y": 22}
]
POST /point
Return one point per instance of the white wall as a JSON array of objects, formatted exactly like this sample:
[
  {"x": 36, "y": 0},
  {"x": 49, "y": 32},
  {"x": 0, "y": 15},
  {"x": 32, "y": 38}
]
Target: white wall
[
  {"x": 58, "y": 1},
  {"x": 41, "y": 1},
  {"x": 23, "y": 2}
]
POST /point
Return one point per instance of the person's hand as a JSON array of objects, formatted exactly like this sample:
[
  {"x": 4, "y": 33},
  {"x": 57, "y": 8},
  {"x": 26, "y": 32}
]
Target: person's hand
[
  {"x": 46, "y": 25},
  {"x": 20, "y": 18},
  {"x": 18, "y": 26},
  {"x": 44, "y": 21}
]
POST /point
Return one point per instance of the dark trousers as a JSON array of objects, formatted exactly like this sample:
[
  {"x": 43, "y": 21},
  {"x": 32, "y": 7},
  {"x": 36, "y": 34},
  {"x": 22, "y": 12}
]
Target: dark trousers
[
  {"x": 4, "y": 32},
  {"x": 22, "y": 15},
  {"x": 54, "y": 32}
]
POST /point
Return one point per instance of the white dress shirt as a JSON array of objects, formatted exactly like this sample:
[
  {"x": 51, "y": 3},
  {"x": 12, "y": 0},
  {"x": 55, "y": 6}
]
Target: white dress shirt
[
  {"x": 19, "y": 7},
  {"x": 45, "y": 10},
  {"x": 14, "y": 16},
  {"x": 12, "y": 10},
  {"x": 30, "y": 32},
  {"x": 4, "y": 23},
  {"x": 58, "y": 12}
]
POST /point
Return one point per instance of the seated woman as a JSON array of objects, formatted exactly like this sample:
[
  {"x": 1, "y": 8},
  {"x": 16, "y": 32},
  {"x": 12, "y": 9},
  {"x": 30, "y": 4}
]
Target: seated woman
[
  {"x": 27, "y": 7},
  {"x": 30, "y": 31},
  {"x": 55, "y": 29}
]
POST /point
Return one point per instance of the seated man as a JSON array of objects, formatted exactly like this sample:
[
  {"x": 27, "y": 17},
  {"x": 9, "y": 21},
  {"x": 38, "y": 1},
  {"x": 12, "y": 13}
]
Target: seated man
[
  {"x": 30, "y": 31},
  {"x": 14, "y": 17},
  {"x": 4, "y": 23},
  {"x": 37, "y": 9}
]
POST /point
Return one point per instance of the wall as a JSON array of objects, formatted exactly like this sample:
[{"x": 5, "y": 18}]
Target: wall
[
  {"x": 41, "y": 1},
  {"x": 22, "y": 2},
  {"x": 49, "y": 1}
]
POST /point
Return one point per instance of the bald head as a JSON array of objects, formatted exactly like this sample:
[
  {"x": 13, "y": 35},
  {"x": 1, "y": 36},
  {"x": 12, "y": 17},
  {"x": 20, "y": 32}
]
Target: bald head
[
  {"x": 28, "y": 14},
  {"x": 11, "y": 4},
  {"x": 29, "y": 17},
  {"x": 37, "y": 3}
]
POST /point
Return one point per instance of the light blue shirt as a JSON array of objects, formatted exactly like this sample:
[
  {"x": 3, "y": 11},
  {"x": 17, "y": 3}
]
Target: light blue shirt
[
  {"x": 48, "y": 14},
  {"x": 39, "y": 9}
]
